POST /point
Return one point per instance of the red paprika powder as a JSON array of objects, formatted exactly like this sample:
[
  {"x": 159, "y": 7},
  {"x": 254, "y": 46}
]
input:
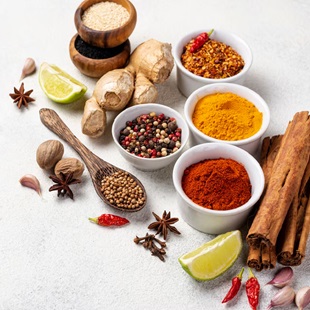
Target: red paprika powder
[{"x": 218, "y": 184}]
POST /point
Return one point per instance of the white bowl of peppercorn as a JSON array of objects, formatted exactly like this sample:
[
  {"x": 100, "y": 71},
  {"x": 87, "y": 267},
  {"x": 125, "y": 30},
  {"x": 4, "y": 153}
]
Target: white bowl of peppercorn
[
  {"x": 150, "y": 136},
  {"x": 210, "y": 56},
  {"x": 217, "y": 186}
]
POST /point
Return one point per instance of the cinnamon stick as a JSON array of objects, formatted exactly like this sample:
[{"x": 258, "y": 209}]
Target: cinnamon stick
[
  {"x": 294, "y": 234},
  {"x": 270, "y": 148},
  {"x": 283, "y": 184},
  {"x": 254, "y": 258}
]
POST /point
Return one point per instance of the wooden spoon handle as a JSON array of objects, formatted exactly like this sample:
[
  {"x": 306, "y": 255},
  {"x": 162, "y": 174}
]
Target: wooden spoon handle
[{"x": 54, "y": 123}]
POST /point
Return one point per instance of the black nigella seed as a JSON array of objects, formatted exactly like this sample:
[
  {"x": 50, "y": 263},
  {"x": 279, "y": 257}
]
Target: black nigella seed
[{"x": 95, "y": 52}]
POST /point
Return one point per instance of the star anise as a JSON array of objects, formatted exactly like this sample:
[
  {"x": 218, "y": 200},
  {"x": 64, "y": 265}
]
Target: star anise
[
  {"x": 62, "y": 184},
  {"x": 149, "y": 243},
  {"x": 163, "y": 224},
  {"x": 22, "y": 97}
]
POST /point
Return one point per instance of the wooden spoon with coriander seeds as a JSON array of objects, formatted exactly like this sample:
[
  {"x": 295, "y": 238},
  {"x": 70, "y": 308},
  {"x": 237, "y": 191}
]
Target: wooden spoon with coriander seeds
[{"x": 103, "y": 174}]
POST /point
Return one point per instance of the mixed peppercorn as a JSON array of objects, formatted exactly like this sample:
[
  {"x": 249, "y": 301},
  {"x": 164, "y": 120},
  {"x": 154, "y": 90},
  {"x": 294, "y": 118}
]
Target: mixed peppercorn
[{"x": 151, "y": 136}]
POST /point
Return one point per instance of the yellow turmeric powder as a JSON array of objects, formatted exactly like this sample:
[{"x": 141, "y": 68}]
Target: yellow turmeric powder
[{"x": 226, "y": 116}]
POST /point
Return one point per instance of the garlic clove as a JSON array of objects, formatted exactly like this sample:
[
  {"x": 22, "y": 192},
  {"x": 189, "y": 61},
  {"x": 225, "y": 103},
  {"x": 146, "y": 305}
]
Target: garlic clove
[
  {"x": 31, "y": 181},
  {"x": 283, "y": 277},
  {"x": 29, "y": 68},
  {"x": 302, "y": 298},
  {"x": 283, "y": 298}
]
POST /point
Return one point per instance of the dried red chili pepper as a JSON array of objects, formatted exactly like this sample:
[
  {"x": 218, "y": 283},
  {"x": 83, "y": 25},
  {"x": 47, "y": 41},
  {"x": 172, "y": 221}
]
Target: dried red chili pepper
[
  {"x": 235, "y": 286},
  {"x": 109, "y": 220},
  {"x": 252, "y": 290},
  {"x": 199, "y": 41}
]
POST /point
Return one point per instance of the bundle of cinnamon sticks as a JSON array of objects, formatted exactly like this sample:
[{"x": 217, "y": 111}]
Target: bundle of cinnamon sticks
[{"x": 280, "y": 229}]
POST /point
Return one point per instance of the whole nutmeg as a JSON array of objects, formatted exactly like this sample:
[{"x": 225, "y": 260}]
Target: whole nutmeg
[
  {"x": 49, "y": 153},
  {"x": 69, "y": 165}
]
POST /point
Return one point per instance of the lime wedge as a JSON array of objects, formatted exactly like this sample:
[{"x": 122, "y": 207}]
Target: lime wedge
[
  {"x": 58, "y": 85},
  {"x": 213, "y": 258}
]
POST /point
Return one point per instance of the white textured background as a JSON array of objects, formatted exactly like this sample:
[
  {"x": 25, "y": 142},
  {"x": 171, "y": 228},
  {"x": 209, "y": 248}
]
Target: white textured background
[{"x": 51, "y": 257}]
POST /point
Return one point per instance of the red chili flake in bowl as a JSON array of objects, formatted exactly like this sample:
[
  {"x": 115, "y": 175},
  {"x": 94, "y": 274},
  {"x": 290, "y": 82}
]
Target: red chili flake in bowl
[{"x": 214, "y": 60}]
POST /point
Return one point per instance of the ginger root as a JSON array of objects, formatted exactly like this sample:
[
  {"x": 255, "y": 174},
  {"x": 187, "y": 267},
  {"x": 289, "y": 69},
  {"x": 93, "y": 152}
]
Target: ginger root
[
  {"x": 114, "y": 89},
  {"x": 145, "y": 91},
  {"x": 153, "y": 59},
  {"x": 94, "y": 119},
  {"x": 150, "y": 63}
]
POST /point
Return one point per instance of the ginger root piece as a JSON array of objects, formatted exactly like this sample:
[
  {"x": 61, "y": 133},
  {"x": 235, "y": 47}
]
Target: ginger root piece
[
  {"x": 151, "y": 62},
  {"x": 153, "y": 59},
  {"x": 145, "y": 91},
  {"x": 94, "y": 119},
  {"x": 114, "y": 89}
]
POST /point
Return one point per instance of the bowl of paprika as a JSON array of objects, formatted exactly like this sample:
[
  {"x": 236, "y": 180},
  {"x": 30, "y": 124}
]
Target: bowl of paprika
[
  {"x": 228, "y": 113},
  {"x": 210, "y": 56},
  {"x": 217, "y": 186}
]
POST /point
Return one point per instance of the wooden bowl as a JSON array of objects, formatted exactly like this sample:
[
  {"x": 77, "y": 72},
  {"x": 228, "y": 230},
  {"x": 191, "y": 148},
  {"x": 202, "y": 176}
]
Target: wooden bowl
[
  {"x": 109, "y": 38},
  {"x": 98, "y": 67}
]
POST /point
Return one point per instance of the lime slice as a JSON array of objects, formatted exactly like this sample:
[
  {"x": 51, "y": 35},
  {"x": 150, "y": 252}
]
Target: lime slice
[
  {"x": 58, "y": 85},
  {"x": 214, "y": 257}
]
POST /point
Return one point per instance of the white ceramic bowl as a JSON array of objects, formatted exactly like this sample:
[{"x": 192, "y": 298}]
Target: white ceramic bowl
[
  {"x": 149, "y": 164},
  {"x": 188, "y": 82},
  {"x": 216, "y": 221},
  {"x": 250, "y": 144}
]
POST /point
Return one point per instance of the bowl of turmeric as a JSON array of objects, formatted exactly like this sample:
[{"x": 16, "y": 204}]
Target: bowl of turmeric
[
  {"x": 217, "y": 186},
  {"x": 227, "y": 113}
]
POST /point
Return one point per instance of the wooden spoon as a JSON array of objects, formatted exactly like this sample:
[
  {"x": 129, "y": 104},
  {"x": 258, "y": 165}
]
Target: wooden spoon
[{"x": 97, "y": 167}]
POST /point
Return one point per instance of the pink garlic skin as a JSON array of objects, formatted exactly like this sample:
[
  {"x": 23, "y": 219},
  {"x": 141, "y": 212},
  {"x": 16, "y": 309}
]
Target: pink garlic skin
[
  {"x": 284, "y": 297},
  {"x": 29, "y": 68},
  {"x": 283, "y": 277},
  {"x": 31, "y": 181},
  {"x": 302, "y": 298}
]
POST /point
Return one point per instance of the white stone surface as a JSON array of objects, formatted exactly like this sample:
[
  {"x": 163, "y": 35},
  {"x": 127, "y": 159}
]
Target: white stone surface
[{"x": 51, "y": 256}]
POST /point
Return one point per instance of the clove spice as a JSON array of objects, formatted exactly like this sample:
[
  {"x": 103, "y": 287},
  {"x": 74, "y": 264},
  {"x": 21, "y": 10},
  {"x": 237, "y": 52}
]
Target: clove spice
[{"x": 149, "y": 243}]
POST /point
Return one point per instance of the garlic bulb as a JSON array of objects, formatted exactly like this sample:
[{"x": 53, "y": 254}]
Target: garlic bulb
[
  {"x": 29, "y": 68},
  {"x": 302, "y": 298},
  {"x": 283, "y": 298},
  {"x": 283, "y": 277},
  {"x": 31, "y": 181}
]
